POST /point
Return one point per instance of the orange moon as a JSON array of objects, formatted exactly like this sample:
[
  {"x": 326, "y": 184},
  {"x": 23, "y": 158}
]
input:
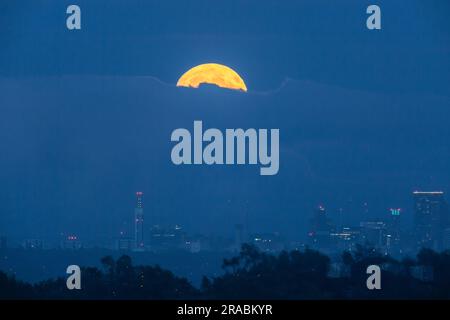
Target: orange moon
[{"x": 212, "y": 73}]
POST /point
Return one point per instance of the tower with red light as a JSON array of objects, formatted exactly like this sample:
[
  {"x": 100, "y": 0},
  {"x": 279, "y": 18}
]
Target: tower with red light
[{"x": 139, "y": 222}]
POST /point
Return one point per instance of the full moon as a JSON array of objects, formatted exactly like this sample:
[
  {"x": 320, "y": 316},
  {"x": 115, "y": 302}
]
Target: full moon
[{"x": 212, "y": 73}]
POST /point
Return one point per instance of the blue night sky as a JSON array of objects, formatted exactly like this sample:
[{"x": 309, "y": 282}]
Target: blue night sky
[{"x": 86, "y": 116}]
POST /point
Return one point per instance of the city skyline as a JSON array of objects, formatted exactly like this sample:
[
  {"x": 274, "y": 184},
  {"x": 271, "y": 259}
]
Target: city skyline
[
  {"x": 362, "y": 118},
  {"x": 322, "y": 231},
  {"x": 190, "y": 149}
]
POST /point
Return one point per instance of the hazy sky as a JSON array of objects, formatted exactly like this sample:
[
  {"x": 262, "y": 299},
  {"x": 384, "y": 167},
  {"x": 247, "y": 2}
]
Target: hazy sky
[{"x": 86, "y": 116}]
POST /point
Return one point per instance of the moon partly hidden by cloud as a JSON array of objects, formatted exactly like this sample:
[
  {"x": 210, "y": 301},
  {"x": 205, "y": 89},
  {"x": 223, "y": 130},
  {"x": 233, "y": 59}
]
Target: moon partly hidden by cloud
[{"x": 212, "y": 73}]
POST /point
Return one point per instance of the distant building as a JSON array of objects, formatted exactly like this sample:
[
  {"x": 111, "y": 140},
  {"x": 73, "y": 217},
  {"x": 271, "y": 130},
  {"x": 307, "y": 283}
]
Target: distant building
[
  {"x": 320, "y": 229},
  {"x": 33, "y": 244},
  {"x": 374, "y": 233},
  {"x": 124, "y": 244},
  {"x": 431, "y": 218},
  {"x": 139, "y": 222},
  {"x": 269, "y": 242},
  {"x": 194, "y": 246},
  {"x": 347, "y": 238},
  {"x": 164, "y": 238},
  {"x": 394, "y": 234},
  {"x": 197, "y": 243},
  {"x": 71, "y": 242}
]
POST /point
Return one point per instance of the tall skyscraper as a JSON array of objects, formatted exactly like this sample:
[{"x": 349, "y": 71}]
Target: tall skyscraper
[
  {"x": 320, "y": 229},
  {"x": 393, "y": 240},
  {"x": 139, "y": 222},
  {"x": 431, "y": 218}
]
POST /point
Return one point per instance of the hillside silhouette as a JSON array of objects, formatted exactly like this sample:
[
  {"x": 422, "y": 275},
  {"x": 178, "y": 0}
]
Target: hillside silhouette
[{"x": 253, "y": 274}]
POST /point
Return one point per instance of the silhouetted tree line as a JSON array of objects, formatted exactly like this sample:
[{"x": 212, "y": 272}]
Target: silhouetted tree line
[{"x": 253, "y": 274}]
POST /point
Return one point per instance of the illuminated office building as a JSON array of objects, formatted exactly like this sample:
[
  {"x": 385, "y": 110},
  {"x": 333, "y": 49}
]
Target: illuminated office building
[
  {"x": 430, "y": 219},
  {"x": 394, "y": 234}
]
